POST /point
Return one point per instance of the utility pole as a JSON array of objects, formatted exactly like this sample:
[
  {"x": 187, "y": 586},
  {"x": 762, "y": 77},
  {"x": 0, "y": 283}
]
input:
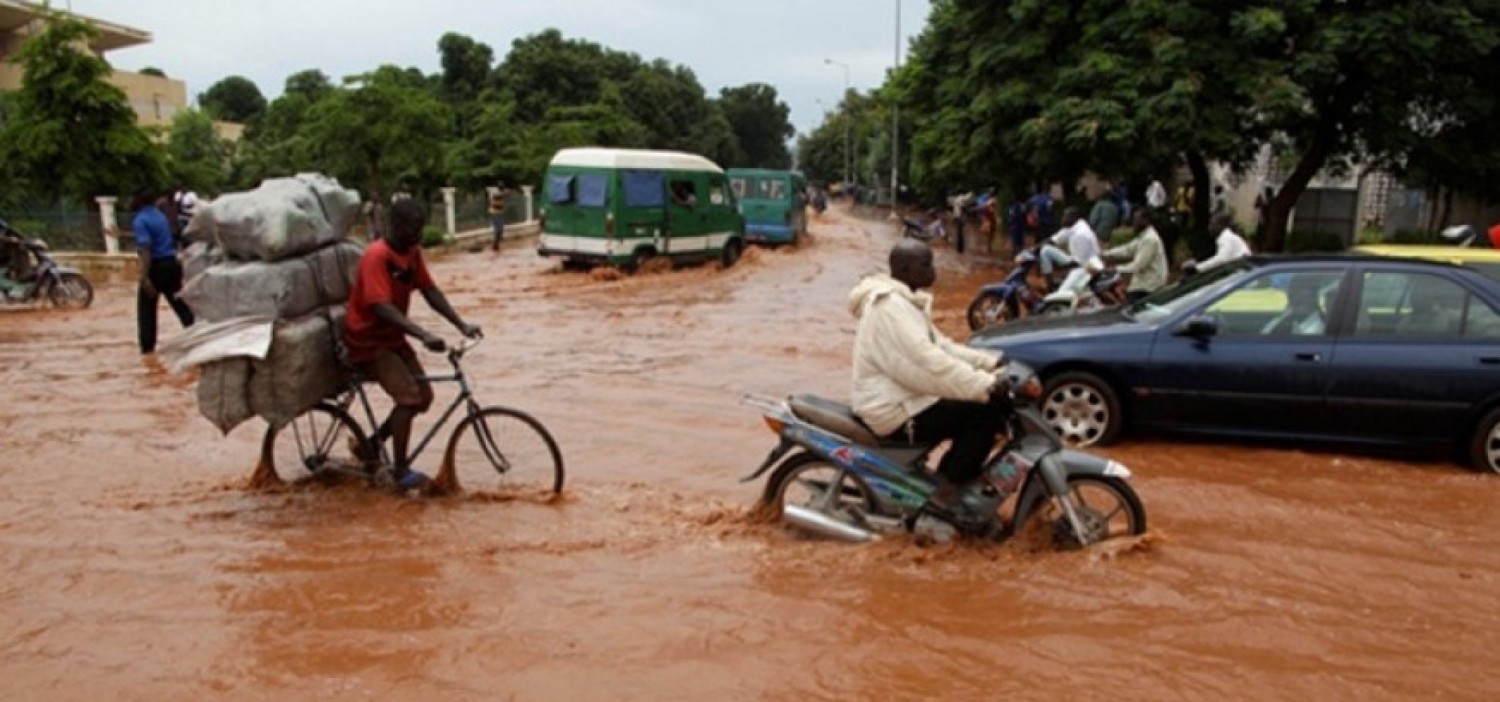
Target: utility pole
[
  {"x": 896, "y": 122},
  {"x": 848, "y": 154}
]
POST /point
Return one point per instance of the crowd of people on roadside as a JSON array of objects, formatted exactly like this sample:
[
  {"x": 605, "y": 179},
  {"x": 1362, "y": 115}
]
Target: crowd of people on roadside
[{"x": 1077, "y": 239}]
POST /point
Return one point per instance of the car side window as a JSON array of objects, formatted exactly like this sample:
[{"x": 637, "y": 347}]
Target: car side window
[
  {"x": 1292, "y": 304},
  {"x": 1409, "y": 305},
  {"x": 1481, "y": 322}
]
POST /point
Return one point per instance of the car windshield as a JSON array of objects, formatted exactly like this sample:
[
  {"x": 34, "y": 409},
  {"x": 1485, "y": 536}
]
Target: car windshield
[{"x": 1171, "y": 300}]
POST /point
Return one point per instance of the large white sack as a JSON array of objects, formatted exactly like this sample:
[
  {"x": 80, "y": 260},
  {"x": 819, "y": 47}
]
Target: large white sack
[
  {"x": 224, "y": 392},
  {"x": 281, "y": 218},
  {"x": 206, "y": 342},
  {"x": 301, "y": 368},
  {"x": 198, "y": 257},
  {"x": 284, "y": 289}
]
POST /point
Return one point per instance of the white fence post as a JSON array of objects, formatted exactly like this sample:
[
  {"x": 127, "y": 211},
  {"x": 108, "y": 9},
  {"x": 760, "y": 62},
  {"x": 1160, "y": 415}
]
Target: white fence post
[
  {"x": 107, "y": 223},
  {"x": 448, "y": 203},
  {"x": 530, "y": 214}
]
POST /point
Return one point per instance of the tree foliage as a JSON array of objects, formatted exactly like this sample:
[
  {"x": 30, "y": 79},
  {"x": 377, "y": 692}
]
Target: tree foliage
[
  {"x": 761, "y": 122},
  {"x": 233, "y": 99},
  {"x": 478, "y": 122},
  {"x": 1021, "y": 91},
  {"x": 68, "y": 132},
  {"x": 196, "y": 157}
]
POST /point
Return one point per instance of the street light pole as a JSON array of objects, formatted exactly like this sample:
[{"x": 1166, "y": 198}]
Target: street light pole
[
  {"x": 896, "y": 121},
  {"x": 848, "y": 155}
]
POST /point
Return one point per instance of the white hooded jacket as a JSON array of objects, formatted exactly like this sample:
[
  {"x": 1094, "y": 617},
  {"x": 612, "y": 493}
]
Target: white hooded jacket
[{"x": 902, "y": 364}]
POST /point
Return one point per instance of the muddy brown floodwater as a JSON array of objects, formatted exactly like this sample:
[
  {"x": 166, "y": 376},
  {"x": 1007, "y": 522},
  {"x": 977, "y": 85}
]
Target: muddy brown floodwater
[{"x": 137, "y": 566}]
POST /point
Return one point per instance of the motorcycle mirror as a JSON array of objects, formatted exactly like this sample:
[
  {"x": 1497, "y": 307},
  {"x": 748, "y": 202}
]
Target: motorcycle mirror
[{"x": 1199, "y": 326}]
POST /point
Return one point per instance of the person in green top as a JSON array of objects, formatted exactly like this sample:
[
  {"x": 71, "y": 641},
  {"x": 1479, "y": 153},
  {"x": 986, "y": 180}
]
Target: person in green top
[{"x": 1104, "y": 217}]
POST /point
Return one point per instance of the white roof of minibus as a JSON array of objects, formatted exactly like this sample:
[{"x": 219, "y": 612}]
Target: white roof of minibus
[{"x": 634, "y": 158}]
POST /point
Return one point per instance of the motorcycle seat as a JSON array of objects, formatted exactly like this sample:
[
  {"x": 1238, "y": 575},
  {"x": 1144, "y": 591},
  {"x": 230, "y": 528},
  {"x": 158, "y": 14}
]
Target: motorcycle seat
[{"x": 833, "y": 416}]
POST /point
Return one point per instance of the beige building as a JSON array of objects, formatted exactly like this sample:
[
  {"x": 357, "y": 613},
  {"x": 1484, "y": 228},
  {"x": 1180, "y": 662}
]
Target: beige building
[{"x": 155, "y": 99}]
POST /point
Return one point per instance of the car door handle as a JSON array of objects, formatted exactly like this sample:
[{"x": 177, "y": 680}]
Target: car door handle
[
  {"x": 1489, "y": 360},
  {"x": 1309, "y": 356}
]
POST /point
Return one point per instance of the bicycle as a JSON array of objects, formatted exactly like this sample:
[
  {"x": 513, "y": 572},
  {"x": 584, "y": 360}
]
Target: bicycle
[{"x": 327, "y": 442}]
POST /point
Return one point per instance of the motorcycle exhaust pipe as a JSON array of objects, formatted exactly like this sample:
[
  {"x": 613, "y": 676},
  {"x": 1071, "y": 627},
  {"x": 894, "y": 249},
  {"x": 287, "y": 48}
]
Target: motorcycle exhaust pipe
[{"x": 823, "y": 525}]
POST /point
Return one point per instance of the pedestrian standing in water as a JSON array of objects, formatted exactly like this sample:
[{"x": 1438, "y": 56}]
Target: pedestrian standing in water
[
  {"x": 497, "y": 213},
  {"x": 161, "y": 273}
]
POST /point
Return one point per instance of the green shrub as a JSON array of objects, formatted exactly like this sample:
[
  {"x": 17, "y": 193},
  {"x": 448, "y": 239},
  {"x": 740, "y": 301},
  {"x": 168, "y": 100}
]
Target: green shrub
[
  {"x": 1370, "y": 236},
  {"x": 1314, "y": 241},
  {"x": 1415, "y": 236},
  {"x": 433, "y": 236}
]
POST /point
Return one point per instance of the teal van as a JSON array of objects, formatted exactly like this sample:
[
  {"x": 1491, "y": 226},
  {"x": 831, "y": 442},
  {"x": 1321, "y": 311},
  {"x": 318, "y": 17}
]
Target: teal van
[
  {"x": 623, "y": 207},
  {"x": 774, "y": 204}
]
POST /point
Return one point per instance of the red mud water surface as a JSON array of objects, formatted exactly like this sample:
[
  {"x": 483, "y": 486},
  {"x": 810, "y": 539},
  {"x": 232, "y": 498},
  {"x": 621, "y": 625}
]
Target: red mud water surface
[{"x": 137, "y": 565}]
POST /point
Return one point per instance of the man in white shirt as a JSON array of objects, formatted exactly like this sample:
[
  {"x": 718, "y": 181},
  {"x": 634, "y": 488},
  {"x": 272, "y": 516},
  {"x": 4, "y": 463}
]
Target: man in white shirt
[
  {"x": 1156, "y": 195},
  {"x": 1078, "y": 237},
  {"x": 1230, "y": 246},
  {"x": 1148, "y": 259}
]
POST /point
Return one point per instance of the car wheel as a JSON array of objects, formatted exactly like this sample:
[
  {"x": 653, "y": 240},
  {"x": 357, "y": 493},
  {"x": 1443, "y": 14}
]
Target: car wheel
[
  {"x": 1484, "y": 449},
  {"x": 731, "y": 252},
  {"x": 1083, "y": 408}
]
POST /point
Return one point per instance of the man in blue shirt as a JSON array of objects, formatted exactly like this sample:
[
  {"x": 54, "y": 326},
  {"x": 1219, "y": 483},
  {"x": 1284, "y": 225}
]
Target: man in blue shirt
[{"x": 161, "y": 273}]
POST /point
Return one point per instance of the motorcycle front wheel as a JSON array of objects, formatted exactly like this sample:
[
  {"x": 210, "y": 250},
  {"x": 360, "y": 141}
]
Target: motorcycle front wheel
[
  {"x": 1108, "y": 508},
  {"x": 71, "y": 290}
]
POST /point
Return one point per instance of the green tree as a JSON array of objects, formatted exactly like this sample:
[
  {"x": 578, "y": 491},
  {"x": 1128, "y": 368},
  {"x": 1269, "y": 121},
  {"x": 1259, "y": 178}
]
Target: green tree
[
  {"x": 233, "y": 99},
  {"x": 67, "y": 132},
  {"x": 1024, "y": 90},
  {"x": 762, "y": 124},
  {"x": 546, "y": 70},
  {"x": 386, "y": 124},
  {"x": 467, "y": 65},
  {"x": 275, "y": 145},
  {"x": 196, "y": 156},
  {"x": 153, "y": 71}
]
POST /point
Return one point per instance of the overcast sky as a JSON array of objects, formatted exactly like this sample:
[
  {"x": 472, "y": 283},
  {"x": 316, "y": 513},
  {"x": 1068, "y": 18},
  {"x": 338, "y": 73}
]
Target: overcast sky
[{"x": 726, "y": 43}]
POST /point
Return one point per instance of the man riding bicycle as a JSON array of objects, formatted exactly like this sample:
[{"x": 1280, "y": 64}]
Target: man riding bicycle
[{"x": 377, "y": 325}]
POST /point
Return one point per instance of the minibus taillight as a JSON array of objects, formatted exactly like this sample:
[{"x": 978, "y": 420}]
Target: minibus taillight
[{"x": 609, "y": 225}]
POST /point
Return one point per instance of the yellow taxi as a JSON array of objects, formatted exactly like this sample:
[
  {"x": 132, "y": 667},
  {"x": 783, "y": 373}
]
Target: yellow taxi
[{"x": 1485, "y": 261}]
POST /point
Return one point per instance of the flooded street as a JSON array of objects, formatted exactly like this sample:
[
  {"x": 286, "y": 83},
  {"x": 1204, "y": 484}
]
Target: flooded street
[{"x": 139, "y": 567}]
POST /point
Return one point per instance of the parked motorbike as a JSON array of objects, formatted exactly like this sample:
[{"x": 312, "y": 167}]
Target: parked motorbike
[
  {"x": 1089, "y": 287},
  {"x": 843, "y": 482},
  {"x": 1011, "y": 298},
  {"x": 44, "y": 279},
  {"x": 925, "y": 231}
]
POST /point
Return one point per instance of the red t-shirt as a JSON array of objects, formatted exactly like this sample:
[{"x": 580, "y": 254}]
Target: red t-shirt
[
  {"x": 1495, "y": 237},
  {"x": 385, "y": 276}
]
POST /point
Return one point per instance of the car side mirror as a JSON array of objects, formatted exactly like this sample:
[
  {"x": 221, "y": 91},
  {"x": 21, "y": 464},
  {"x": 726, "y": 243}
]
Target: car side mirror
[{"x": 1198, "y": 326}]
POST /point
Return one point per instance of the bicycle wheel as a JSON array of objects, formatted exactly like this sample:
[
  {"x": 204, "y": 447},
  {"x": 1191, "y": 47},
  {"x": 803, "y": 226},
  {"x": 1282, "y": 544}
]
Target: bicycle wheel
[
  {"x": 502, "y": 448},
  {"x": 320, "y": 442}
]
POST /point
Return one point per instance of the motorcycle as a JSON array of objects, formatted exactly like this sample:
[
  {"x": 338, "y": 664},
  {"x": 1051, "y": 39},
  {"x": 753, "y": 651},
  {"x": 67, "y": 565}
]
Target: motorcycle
[
  {"x": 1089, "y": 287},
  {"x": 1010, "y": 298},
  {"x": 925, "y": 231},
  {"x": 44, "y": 279},
  {"x": 845, "y": 483}
]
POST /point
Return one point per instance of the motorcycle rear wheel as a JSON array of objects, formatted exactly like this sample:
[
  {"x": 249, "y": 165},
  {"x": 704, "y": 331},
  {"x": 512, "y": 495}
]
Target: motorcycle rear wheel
[
  {"x": 71, "y": 290},
  {"x": 805, "y": 480},
  {"x": 1109, "y": 508}
]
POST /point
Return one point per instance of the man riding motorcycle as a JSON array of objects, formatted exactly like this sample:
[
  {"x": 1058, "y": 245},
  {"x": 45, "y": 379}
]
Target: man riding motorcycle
[{"x": 913, "y": 384}]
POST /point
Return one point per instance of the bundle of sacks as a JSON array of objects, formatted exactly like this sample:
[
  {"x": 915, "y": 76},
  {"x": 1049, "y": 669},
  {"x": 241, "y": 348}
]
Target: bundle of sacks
[{"x": 276, "y": 256}]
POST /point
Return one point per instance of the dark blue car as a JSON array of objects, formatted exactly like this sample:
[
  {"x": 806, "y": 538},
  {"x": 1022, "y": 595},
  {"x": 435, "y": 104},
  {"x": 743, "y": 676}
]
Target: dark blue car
[{"x": 1338, "y": 348}]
